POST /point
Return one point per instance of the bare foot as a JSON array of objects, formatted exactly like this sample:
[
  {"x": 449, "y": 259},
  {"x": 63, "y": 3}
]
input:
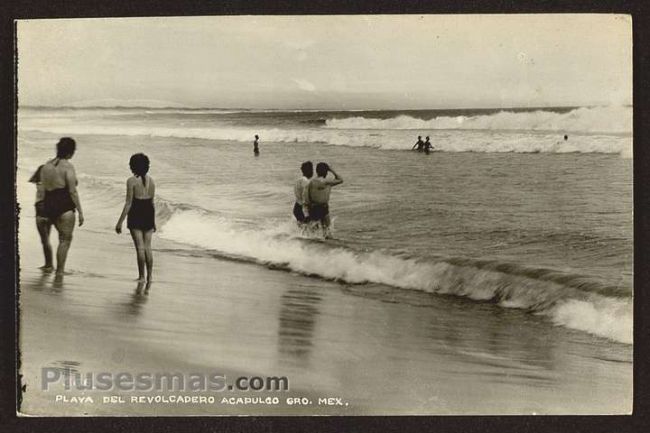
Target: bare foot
[
  {"x": 47, "y": 268},
  {"x": 140, "y": 280}
]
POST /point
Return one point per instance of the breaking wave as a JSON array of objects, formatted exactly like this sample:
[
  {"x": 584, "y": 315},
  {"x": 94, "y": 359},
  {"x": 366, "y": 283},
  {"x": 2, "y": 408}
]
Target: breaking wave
[
  {"x": 572, "y": 301},
  {"x": 587, "y": 120},
  {"x": 590, "y": 130},
  {"x": 467, "y": 141}
]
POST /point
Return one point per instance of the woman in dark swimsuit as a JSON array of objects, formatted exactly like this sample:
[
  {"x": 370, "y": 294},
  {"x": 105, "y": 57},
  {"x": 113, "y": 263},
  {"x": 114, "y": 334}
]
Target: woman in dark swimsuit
[
  {"x": 61, "y": 200},
  {"x": 140, "y": 212}
]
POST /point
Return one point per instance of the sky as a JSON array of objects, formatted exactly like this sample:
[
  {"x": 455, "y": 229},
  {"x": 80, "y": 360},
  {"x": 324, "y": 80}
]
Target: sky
[{"x": 328, "y": 62}]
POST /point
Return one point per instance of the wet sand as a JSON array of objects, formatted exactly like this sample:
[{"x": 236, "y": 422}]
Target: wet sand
[{"x": 378, "y": 349}]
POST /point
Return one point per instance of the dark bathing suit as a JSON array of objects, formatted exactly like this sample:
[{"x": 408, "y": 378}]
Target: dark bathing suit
[
  {"x": 318, "y": 211},
  {"x": 56, "y": 203},
  {"x": 299, "y": 214},
  {"x": 141, "y": 215},
  {"x": 40, "y": 209}
]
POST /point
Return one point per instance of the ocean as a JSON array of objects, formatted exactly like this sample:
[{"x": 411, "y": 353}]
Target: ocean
[{"x": 505, "y": 212}]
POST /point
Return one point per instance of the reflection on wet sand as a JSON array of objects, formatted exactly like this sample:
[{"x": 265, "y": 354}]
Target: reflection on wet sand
[
  {"x": 297, "y": 320},
  {"x": 498, "y": 343},
  {"x": 38, "y": 283},
  {"x": 43, "y": 280},
  {"x": 57, "y": 284},
  {"x": 493, "y": 349},
  {"x": 383, "y": 349},
  {"x": 138, "y": 298}
]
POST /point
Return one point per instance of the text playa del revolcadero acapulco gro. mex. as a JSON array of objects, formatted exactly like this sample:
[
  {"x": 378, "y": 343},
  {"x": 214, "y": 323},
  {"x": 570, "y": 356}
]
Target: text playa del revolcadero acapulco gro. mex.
[{"x": 145, "y": 388}]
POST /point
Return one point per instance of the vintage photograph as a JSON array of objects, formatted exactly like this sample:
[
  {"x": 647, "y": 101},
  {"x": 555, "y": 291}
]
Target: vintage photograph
[{"x": 325, "y": 215}]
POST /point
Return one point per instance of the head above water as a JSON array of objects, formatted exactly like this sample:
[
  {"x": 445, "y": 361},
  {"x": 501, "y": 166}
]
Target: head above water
[
  {"x": 139, "y": 164},
  {"x": 321, "y": 169},
  {"x": 307, "y": 169},
  {"x": 427, "y": 138},
  {"x": 65, "y": 148},
  {"x": 566, "y": 137}
]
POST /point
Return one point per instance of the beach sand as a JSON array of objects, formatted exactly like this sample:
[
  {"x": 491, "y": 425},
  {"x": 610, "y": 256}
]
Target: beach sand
[{"x": 377, "y": 349}]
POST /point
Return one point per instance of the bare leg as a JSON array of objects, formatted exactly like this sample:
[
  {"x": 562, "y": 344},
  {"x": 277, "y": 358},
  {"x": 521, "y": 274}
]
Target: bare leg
[
  {"x": 148, "y": 254},
  {"x": 138, "y": 242},
  {"x": 44, "y": 225},
  {"x": 326, "y": 227},
  {"x": 65, "y": 226}
]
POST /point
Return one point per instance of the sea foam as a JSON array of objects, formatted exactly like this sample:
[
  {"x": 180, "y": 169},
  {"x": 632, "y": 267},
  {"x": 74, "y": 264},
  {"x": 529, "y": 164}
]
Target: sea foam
[
  {"x": 591, "y": 130},
  {"x": 589, "y": 307},
  {"x": 609, "y": 119}
]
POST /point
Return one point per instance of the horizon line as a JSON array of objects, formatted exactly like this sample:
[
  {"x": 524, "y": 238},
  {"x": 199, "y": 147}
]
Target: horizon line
[{"x": 190, "y": 108}]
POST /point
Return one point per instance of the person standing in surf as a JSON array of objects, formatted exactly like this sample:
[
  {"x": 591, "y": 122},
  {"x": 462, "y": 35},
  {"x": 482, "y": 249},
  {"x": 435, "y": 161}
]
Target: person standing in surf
[
  {"x": 300, "y": 210},
  {"x": 557, "y": 144},
  {"x": 419, "y": 145},
  {"x": 140, "y": 213},
  {"x": 43, "y": 224},
  {"x": 427, "y": 146},
  {"x": 317, "y": 196},
  {"x": 256, "y": 144},
  {"x": 60, "y": 198}
]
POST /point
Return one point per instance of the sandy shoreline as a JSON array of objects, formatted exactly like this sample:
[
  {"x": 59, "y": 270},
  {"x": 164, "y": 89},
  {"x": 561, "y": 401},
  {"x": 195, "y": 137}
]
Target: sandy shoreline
[
  {"x": 371, "y": 347},
  {"x": 58, "y": 333}
]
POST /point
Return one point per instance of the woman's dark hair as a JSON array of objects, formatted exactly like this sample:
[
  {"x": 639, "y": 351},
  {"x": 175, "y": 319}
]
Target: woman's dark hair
[
  {"x": 307, "y": 169},
  {"x": 65, "y": 147},
  {"x": 139, "y": 164}
]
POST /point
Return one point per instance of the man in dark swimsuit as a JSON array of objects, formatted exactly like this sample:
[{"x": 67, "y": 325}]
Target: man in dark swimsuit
[
  {"x": 317, "y": 196},
  {"x": 419, "y": 145},
  {"x": 256, "y": 149},
  {"x": 300, "y": 211},
  {"x": 427, "y": 146}
]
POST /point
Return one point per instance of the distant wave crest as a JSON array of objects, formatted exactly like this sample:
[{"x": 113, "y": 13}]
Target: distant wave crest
[
  {"x": 610, "y": 119},
  {"x": 518, "y": 132},
  {"x": 505, "y": 143}
]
